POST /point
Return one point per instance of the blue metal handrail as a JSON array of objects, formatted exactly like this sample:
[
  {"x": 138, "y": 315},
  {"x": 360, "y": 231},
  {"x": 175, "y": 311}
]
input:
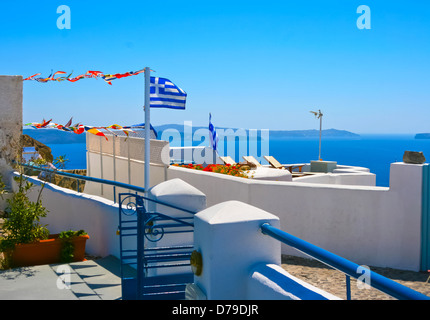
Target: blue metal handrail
[
  {"x": 86, "y": 178},
  {"x": 108, "y": 182},
  {"x": 378, "y": 281}
]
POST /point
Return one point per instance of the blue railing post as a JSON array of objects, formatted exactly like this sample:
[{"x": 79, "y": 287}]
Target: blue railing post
[{"x": 348, "y": 287}]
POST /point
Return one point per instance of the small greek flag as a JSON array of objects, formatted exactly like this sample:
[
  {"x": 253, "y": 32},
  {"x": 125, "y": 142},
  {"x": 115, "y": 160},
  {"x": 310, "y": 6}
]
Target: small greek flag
[
  {"x": 165, "y": 94},
  {"x": 213, "y": 136}
]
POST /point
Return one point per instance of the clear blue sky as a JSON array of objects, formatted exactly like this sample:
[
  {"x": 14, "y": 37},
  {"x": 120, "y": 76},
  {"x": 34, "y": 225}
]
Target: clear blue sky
[{"x": 252, "y": 64}]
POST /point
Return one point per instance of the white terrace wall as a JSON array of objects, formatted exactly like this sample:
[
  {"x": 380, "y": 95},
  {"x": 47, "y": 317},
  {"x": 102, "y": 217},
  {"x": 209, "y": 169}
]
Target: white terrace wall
[
  {"x": 122, "y": 159},
  {"x": 373, "y": 226},
  {"x": 69, "y": 210}
]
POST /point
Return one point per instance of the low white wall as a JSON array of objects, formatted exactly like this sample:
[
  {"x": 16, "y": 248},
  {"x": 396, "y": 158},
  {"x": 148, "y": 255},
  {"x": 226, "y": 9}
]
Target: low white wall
[
  {"x": 341, "y": 177},
  {"x": 71, "y": 210},
  {"x": 121, "y": 159},
  {"x": 272, "y": 282},
  {"x": 374, "y": 226},
  {"x": 119, "y": 169}
]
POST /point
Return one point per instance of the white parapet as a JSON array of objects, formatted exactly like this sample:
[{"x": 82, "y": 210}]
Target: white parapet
[
  {"x": 272, "y": 282},
  {"x": 228, "y": 237},
  {"x": 369, "y": 225},
  {"x": 170, "y": 196},
  {"x": 178, "y": 193}
]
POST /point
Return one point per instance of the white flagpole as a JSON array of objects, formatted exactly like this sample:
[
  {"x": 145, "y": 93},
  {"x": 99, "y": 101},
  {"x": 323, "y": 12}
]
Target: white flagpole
[{"x": 147, "y": 128}]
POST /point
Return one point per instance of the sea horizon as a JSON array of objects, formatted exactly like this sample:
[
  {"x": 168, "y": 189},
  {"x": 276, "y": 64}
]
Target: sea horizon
[{"x": 373, "y": 151}]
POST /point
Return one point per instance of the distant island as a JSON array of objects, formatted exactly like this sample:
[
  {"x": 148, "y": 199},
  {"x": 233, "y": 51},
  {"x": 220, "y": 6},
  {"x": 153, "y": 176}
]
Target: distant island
[
  {"x": 274, "y": 134},
  {"x": 332, "y": 133},
  {"x": 422, "y": 136},
  {"x": 53, "y": 136}
]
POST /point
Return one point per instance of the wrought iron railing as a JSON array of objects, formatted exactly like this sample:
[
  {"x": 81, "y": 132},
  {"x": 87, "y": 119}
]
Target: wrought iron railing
[
  {"x": 146, "y": 228},
  {"x": 153, "y": 227},
  {"x": 349, "y": 268}
]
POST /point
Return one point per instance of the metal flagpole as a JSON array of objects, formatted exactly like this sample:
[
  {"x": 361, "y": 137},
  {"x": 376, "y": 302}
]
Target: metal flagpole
[
  {"x": 147, "y": 128},
  {"x": 141, "y": 206}
]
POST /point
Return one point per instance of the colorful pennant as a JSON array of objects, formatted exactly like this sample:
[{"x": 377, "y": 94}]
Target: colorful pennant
[
  {"x": 89, "y": 74},
  {"x": 79, "y": 128}
]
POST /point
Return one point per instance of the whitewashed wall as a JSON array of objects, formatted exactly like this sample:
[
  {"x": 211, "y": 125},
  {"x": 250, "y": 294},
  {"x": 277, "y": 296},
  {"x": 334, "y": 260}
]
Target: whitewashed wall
[
  {"x": 69, "y": 210},
  {"x": 373, "y": 226},
  {"x": 122, "y": 159}
]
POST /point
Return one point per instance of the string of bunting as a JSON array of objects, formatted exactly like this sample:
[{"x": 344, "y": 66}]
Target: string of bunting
[
  {"x": 80, "y": 128},
  {"x": 87, "y": 75}
]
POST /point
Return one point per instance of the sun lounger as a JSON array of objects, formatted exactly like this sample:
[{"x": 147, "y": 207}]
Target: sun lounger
[
  {"x": 228, "y": 160},
  {"x": 251, "y": 160},
  {"x": 276, "y": 164}
]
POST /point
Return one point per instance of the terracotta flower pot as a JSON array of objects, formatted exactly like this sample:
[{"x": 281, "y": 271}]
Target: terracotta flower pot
[{"x": 46, "y": 251}]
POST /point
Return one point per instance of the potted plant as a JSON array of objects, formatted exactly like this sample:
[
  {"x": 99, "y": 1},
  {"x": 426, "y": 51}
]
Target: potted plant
[{"x": 27, "y": 242}]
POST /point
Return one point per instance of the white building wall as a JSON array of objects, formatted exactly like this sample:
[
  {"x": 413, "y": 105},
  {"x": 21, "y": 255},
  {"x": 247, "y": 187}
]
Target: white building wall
[
  {"x": 368, "y": 225},
  {"x": 70, "y": 210},
  {"x": 122, "y": 159}
]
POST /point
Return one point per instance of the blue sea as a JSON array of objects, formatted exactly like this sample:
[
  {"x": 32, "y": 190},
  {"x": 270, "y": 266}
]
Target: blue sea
[{"x": 375, "y": 152}]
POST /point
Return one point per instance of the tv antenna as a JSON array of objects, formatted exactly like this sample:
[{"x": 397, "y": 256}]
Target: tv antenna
[{"x": 318, "y": 115}]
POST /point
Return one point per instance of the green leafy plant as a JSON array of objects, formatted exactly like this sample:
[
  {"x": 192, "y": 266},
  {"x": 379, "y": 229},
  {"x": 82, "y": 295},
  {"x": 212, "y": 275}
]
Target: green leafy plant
[
  {"x": 22, "y": 224},
  {"x": 22, "y": 219},
  {"x": 67, "y": 247}
]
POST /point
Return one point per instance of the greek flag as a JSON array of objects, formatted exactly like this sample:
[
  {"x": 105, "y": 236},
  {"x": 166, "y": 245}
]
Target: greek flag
[
  {"x": 165, "y": 94},
  {"x": 213, "y": 136}
]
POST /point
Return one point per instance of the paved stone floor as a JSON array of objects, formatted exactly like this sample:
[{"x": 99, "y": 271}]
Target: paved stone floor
[{"x": 334, "y": 282}]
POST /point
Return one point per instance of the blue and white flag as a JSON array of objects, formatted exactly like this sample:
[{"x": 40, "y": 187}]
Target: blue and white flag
[
  {"x": 165, "y": 94},
  {"x": 213, "y": 136}
]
